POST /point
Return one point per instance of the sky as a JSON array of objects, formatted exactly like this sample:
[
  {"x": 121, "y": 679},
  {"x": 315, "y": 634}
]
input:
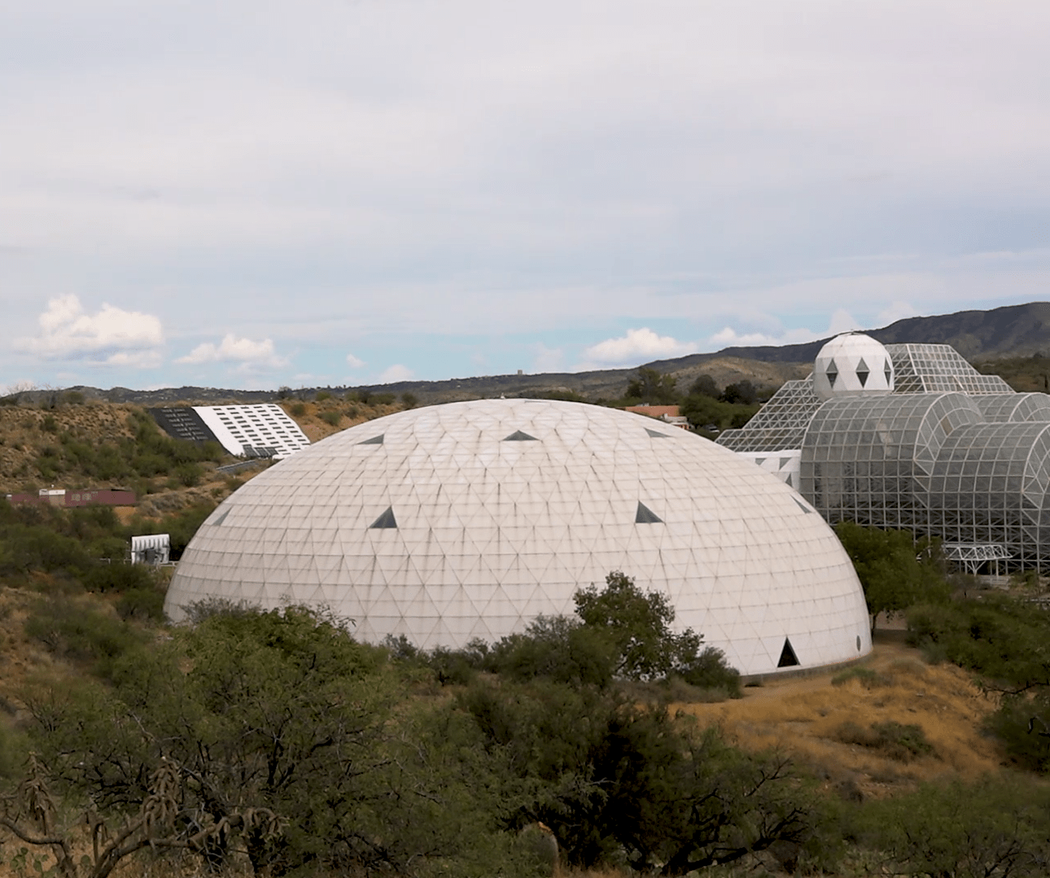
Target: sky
[{"x": 345, "y": 192}]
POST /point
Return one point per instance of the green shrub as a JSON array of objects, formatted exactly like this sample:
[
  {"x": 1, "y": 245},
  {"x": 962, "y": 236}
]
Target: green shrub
[
  {"x": 450, "y": 667},
  {"x": 997, "y": 636},
  {"x": 1023, "y": 726},
  {"x": 997, "y": 826},
  {"x": 297, "y": 409},
  {"x": 902, "y": 742},
  {"x": 78, "y": 631},
  {"x": 556, "y": 648},
  {"x": 710, "y": 670},
  {"x": 118, "y": 577},
  {"x": 24, "y": 548},
  {"x": 141, "y": 604},
  {"x": 189, "y": 474},
  {"x": 332, "y": 417}
]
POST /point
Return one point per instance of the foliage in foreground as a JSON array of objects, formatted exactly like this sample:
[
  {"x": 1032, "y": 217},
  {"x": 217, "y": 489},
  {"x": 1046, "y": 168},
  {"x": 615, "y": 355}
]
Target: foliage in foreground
[
  {"x": 1007, "y": 641},
  {"x": 283, "y": 714},
  {"x": 295, "y": 749},
  {"x": 619, "y": 632},
  {"x": 992, "y": 828}
]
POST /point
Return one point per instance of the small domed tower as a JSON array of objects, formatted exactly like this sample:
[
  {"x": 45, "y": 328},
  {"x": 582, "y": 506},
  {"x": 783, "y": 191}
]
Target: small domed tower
[{"x": 852, "y": 363}]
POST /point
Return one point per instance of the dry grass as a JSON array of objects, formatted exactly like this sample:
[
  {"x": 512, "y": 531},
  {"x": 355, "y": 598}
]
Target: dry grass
[
  {"x": 311, "y": 416},
  {"x": 805, "y": 718}
]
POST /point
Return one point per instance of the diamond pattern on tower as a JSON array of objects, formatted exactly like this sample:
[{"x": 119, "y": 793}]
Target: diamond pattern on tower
[
  {"x": 863, "y": 372},
  {"x": 386, "y": 520},
  {"x": 832, "y": 373}
]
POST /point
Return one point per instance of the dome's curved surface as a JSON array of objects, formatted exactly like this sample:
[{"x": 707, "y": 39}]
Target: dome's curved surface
[
  {"x": 852, "y": 363},
  {"x": 470, "y": 519}
]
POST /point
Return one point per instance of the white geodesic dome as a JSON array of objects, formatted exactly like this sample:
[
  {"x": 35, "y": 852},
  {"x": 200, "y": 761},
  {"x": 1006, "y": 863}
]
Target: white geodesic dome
[
  {"x": 852, "y": 363},
  {"x": 468, "y": 520}
]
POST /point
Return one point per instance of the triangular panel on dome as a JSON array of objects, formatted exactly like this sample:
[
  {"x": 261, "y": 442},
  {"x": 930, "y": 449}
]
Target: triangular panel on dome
[
  {"x": 656, "y": 434},
  {"x": 385, "y": 521},
  {"x": 375, "y": 440},
  {"x": 519, "y": 436},
  {"x": 644, "y": 515}
]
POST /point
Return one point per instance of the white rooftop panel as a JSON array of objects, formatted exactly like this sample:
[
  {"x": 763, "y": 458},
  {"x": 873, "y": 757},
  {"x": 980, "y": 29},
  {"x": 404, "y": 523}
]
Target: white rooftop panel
[{"x": 253, "y": 426}]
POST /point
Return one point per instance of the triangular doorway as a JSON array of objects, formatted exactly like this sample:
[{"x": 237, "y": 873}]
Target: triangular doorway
[{"x": 788, "y": 659}]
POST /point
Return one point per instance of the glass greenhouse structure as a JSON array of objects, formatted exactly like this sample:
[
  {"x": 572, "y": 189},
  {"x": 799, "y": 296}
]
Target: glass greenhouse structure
[{"x": 942, "y": 451}]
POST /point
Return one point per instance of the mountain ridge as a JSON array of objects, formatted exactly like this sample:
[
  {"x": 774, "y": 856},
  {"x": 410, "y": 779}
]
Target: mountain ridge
[{"x": 1009, "y": 331}]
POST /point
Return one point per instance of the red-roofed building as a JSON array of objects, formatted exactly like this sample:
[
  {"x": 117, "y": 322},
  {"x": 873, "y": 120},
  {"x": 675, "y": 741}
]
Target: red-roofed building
[{"x": 666, "y": 413}]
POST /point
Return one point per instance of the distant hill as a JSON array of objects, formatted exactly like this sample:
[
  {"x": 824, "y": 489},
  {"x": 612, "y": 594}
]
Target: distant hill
[{"x": 1011, "y": 331}]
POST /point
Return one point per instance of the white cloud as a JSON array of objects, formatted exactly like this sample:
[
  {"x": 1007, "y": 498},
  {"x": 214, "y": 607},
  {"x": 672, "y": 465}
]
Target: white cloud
[
  {"x": 397, "y": 372},
  {"x": 637, "y": 344},
  {"x": 842, "y": 321},
  {"x": 354, "y": 362},
  {"x": 896, "y": 311},
  {"x": 110, "y": 337},
  {"x": 244, "y": 351},
  {"x": 135, "y": 359},
  {"x": 729, "y": 338},
  {"x": 547, "y": 359}
]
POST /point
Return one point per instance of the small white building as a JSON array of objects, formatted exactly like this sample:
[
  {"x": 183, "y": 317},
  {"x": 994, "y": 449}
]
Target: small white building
[{"x": 151, "y": 549}]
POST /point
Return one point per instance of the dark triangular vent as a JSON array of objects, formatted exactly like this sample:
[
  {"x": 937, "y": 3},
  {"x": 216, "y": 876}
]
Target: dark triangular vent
[
  {"x": 645, "y": 515},
  {"x": 375, "y": 440},
  {"x": 518, "y": 436},
  {"x": 802, "y": 506},
  {"x": 863, "y": 372},
  {"x": 888, "y": 372},
  {"x": 656, "y": 434},
  {"x": 220, "y": 519},
  {"x": 788, "y": 659},
  {"x": 832, "y": 373},
  {"x": 386, "y": 520}
]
